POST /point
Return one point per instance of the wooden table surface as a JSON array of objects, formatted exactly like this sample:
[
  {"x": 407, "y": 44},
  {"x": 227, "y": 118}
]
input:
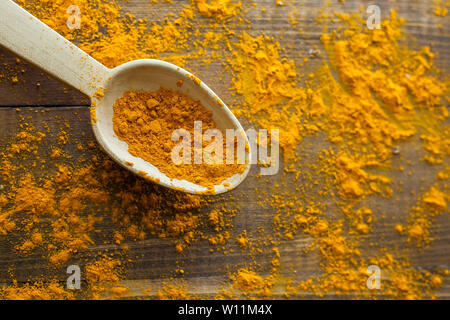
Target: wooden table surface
[{"x": 205, "y": 270}]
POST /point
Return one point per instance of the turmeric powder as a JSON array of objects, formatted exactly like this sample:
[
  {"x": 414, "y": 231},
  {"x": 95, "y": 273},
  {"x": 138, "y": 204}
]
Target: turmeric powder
[
  {"x": 147, "y": 120},
  {"x": 220, "y": 9}
]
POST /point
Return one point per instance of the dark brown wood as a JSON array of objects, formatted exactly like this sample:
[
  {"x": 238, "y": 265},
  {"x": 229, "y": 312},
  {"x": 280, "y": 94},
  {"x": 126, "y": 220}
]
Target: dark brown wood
[
  {"x": 34, "y": 87},
  {"x": 155, "y": 258}
]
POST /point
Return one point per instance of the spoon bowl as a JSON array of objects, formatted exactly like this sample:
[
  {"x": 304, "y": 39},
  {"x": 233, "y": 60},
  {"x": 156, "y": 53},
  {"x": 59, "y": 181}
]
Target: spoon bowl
[
  {"x": 31, "y": 39},
  {"x": 150, "y": 75}
]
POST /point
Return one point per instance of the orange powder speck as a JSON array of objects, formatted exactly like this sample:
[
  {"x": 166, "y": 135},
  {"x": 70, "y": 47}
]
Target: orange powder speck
[{"x": 219, "y": 9}]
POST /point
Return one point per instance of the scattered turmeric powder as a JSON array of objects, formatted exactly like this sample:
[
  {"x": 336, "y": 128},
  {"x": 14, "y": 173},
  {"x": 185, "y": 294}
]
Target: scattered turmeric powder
[
  {"x": 248, "y": 281},
  {"x": 220, "y": 9}
]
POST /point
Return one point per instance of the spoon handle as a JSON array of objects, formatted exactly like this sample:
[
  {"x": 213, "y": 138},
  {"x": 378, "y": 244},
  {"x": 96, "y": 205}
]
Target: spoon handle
[{"x": 28, "y": 37}]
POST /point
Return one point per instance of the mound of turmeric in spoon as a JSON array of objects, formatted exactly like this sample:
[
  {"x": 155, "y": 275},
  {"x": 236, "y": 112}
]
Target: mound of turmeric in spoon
[{"x": 146, "y": 121}]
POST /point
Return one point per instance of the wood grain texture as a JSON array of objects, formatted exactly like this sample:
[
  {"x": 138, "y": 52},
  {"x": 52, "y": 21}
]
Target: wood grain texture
[
  {"x": 34, "y": 87},
  {"x": 156, "y": 258}
]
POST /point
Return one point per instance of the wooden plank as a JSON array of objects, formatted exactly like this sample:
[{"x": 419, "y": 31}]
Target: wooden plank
[{"x": 422, "y": 27}]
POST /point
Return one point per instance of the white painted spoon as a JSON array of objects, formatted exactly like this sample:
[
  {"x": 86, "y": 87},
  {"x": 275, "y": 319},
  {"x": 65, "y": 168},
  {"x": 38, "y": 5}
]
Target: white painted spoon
[{"x": 31, "y": 39}]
